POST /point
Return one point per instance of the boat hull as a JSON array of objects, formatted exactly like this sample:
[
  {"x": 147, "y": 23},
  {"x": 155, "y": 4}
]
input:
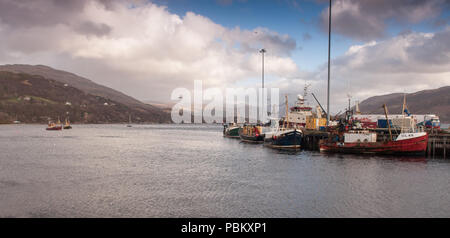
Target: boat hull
[
  {"x": 417, "y": 145},
  {"x": 252, "y": 138},
  {"x": 251, "y": 134},
  {"x": 231, "y": 132},
  {"x": 286, "y": 140},
  {"x": 55, "y": 128}
]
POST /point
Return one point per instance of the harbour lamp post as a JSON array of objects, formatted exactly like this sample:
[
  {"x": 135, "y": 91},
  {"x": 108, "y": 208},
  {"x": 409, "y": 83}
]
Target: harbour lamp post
[
  {"x": 329, "y": 46},
  {"x": 262, "y": 51}
]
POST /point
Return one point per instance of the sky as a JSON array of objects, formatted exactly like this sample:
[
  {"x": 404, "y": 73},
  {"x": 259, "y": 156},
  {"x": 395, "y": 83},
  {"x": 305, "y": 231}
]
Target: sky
[{"x": 146, "y": 49}]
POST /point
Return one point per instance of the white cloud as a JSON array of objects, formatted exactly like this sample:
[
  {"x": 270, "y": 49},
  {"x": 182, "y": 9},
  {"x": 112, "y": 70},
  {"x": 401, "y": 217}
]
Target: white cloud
[
  {"x": 406, "y": 63},
  {"x": 146, "y": 51},
  {"x": 366, "y": 19}
]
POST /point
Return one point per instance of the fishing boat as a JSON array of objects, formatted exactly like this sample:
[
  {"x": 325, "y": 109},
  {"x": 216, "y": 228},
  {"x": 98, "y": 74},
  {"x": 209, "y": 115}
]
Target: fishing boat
[
  {"x": 432, "y": 121},
  {"x": 251, "y": 134},
  {"x": 54, "y": 126},
  {"x": 17, "y": 120},
  {"x": 405, "y": 143},
  {"x": 408, "y": 141},
  {"x": 284, "y": 137},
  {"x": 300, "y": 111},
  {"x": 231, "y": 130},
  {"x": 67, "y": 125}
]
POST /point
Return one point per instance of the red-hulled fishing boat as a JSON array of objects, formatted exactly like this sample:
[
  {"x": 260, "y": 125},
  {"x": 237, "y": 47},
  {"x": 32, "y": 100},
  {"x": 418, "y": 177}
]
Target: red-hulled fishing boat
[
  {"x": 405, "y": 143},
  {"x": 54, "y": 126},
  {"x": 408, "y": 141}
]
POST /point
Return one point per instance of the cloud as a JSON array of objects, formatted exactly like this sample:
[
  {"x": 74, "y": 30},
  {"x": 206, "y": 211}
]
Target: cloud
[
  {"x": 366, "y": 19},
  {"x": 409, "y": 62},
  {"x": 306, "y": 36},
  {"x": 25, "y": 14},
  {"x": 137, "y": 47},
  {"x": 91, "y": 28},
  {"x": 228, "y": 2},
  {"x": 224, "y": 2}
]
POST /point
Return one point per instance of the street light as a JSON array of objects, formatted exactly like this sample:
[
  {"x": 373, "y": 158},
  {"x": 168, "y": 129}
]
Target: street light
[
  {"x": 262, "y": 51},
  {"x": 329, "y": 46}
]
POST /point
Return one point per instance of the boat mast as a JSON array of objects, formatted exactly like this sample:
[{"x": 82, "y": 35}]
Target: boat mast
[
  {"x": 387, "y": 120},
  {"x": 403, "y": 111},
  {"x": 287, "y": 112}
]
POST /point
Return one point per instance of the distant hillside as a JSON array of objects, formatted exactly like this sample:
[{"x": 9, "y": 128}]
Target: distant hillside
[
  {"x": 36, "y": 98},
  {"x": 81, "y": 83},
  {"x": 435, "y": 101}
]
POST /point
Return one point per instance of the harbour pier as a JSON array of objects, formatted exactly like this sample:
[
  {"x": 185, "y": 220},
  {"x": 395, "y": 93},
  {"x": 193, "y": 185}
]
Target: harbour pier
[
  {"x": 438, "y": 144},
  {"x": 311, "y": 139}
]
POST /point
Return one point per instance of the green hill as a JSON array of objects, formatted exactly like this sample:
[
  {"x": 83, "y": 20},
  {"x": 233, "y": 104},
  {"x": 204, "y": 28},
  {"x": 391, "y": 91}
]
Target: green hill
[{"x": 36, "y": 99}]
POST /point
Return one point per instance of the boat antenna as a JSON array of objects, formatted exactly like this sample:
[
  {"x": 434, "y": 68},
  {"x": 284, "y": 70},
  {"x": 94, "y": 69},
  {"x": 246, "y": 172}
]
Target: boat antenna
[
  {"x": 403, "y": 111},
  {"x": 329, "y": 46},
  {"x": 287, "y": 112},
  {"x": 349, "y": 112},
  {"x": 387, "y": 120}
]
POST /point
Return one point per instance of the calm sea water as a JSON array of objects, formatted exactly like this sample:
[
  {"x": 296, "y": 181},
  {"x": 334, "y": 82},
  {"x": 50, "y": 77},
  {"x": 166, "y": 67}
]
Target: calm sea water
[{"x": 192, "y": 171}]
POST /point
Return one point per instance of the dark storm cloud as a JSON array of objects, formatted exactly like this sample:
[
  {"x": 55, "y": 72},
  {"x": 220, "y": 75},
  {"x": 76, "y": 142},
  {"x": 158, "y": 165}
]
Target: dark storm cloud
[{"x": 366, "y": 19}]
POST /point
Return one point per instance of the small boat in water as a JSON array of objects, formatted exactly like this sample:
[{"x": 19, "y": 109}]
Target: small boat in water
[
  {"x": 231, "y": 130},
  {"x": 17, "y": 120},
  {"x": 251, "y": 134},
  {"x": 67, "y": 125},
  {"x": 54, "y": 126},
  {"x": 129, "y": 121}
]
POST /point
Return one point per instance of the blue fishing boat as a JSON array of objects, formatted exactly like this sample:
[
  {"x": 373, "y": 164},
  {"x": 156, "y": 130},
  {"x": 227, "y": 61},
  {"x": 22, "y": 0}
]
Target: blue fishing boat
[{"x": 284, "y": 137}]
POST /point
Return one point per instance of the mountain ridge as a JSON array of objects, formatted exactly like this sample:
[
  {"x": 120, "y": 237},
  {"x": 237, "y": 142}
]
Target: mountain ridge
[
  {"x": 24, "y": 87},
  {"x": 429, "y": 101}
]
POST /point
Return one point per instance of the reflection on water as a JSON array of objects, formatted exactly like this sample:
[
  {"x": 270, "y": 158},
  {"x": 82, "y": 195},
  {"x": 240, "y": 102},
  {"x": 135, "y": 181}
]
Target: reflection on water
[{"x": 192, "y": 171}]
